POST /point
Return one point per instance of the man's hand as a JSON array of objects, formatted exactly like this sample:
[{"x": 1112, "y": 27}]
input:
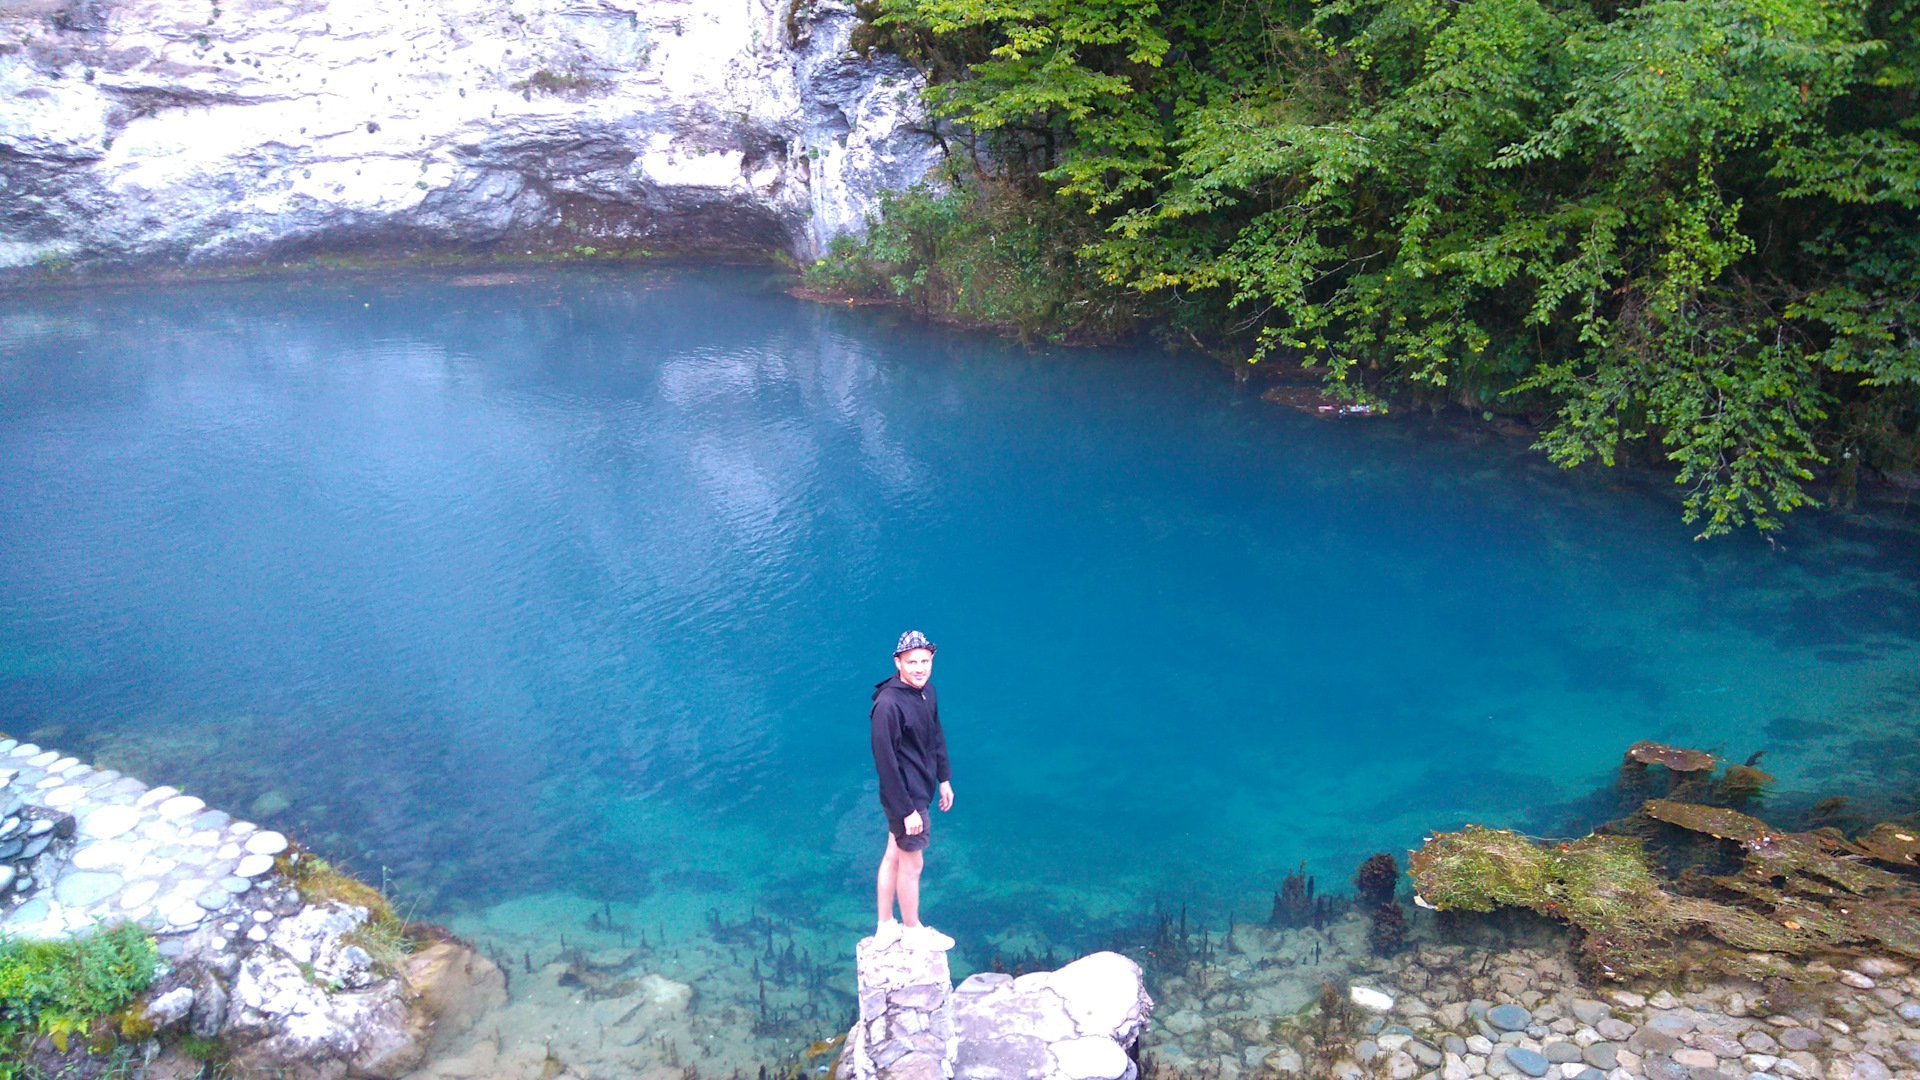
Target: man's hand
[
  {"x": 946, "y": 796},
  {"x": 913, "y": 824}
]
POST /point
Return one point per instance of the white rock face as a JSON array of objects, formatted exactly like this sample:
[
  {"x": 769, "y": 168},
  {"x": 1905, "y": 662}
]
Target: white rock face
[
  {"x": 1076, "y": 1023},
  {"x": 150, "y": 130}
]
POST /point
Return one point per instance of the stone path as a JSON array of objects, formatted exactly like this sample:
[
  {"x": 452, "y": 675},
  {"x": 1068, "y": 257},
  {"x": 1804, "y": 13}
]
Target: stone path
[{"x": 81, "y": 847}]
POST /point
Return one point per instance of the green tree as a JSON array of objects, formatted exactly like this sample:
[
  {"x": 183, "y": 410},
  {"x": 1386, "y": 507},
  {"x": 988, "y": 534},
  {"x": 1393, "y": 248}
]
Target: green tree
[{"x": 1686, "y": 225}]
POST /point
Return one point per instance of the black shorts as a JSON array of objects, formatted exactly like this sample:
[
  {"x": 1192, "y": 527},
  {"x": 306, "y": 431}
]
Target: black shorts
[{"x": 918, "y": 842}]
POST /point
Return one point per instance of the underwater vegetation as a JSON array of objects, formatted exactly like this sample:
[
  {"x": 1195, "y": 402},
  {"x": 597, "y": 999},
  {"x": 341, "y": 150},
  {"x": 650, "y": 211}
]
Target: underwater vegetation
[
  {"x": 1373, "y": 885},
  {"x": 1296, "y": 905},
  {"x": 1745, "y": 895}
]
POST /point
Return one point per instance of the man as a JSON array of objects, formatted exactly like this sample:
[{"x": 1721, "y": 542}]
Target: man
[{"x": 910, "y": 756}]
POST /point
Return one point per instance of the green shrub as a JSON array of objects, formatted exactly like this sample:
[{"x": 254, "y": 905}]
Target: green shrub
[
  {"x": 64, "y": 988},
  {"x": 980, "y": 253}
]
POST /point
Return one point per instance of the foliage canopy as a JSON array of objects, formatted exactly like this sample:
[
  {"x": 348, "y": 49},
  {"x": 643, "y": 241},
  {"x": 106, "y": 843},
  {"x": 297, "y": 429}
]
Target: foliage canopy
[{"x": 1686, "y": 228}]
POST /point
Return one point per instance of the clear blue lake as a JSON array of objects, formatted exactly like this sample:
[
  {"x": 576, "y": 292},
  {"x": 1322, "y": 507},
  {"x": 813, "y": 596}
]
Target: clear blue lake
[{"x": 574, "y": 584}]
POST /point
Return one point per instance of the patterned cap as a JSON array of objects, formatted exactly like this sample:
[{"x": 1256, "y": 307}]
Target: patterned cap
[{"x": 914, "y": 639}]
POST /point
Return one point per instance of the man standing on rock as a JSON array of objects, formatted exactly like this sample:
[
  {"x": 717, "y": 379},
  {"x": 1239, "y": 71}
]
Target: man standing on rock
[{"x": 910, "y": 756}]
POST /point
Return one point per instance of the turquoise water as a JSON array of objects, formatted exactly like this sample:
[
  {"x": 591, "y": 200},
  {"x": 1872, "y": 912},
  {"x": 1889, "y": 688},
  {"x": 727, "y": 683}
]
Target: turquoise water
[{"x": 574, "y": 584}]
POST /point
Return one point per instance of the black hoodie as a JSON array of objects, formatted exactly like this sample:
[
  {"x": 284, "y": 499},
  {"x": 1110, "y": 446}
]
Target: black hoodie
[{"x": 909, "y": 749}]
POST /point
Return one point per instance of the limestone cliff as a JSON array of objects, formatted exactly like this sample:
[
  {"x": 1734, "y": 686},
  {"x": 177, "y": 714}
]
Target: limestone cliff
[{"x": 198, "y": 130}]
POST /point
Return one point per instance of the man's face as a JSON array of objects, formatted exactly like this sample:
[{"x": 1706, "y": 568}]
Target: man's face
[{"x": 915, "y": 667}]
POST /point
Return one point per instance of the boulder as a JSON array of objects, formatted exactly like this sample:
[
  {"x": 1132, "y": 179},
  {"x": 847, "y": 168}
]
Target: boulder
[{"x": 1080, "y": 1022}]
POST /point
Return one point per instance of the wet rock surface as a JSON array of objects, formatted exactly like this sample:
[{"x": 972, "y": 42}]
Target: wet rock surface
[{"x": 139, "y": 131}]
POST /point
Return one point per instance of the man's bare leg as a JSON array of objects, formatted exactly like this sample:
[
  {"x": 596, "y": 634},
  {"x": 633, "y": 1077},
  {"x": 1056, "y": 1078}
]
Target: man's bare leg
[
  {"x": 907, "y": 884},
  {"x": 884, "y": 885}
]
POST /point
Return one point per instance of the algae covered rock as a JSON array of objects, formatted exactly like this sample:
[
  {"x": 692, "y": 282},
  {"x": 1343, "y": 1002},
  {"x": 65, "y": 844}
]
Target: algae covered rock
[
  {"x": 1673, "y": 758},
  {"x": 1596, "y": 882},
  {"x": 1891, "y": 844},
  {"x": 1793, "y": 894}
]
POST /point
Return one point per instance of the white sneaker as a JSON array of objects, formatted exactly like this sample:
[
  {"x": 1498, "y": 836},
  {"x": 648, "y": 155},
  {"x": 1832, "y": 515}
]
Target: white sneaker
[
  {"x": 886, "y": 933},
  {"x": 925, "y": 937}
]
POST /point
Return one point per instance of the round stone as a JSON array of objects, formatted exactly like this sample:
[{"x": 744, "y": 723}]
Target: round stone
[
  {"x": 254, "y": 865},
  {"x": 63, "y": 765},
  {"x": 1675, "y": 1024},
  {"x": 139, "y": 894},
  {"x": 125, "y": 788},
  {"x": 25, "y": 750},
  {"x": 153, "y": 867},
  {"x": 263, "y": 916},
  {"x": 180, "y": 806},
  {"x": 62, "y": 797},
  {"x": 266, "y": 843},
  {"x": 184, "y": 915},
  {"x": 42, "y": 760},
  {"x": 7, "y": 745},
  {"x": 7, "y": 874},
  {"x": 156, "y": 796},
  {"x": 1527, "y": 1061},
  {"x": 82, "y": 888},
  {"x": 1561, "y": 1052},
  {"x": 104, "y": 855},
  {"x": 1509, "y": 1018},
  {"x": 235, "y": 884},
  {"x": 48, "y": 783},
  {"x": 213, "y": 899},
  {"x": 228, "y": 852},
  {"x": 257, "y": 934},
  {"x": 9, "y": 826},
  {"x": 212, "y": 819},
  {"x": 108, "y": 822},
  {"x": 1370, "y": 999},
  {"x": 1798, "y": 1038},
  {"x": 35, "y": 846},
  {"x": 32, "y": 911}
]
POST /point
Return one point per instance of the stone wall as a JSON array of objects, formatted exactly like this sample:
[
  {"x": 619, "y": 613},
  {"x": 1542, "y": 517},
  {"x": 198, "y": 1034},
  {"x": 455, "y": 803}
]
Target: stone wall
[
  {"x": 135, "y": 131},
  {"x": 284, "y": 980}
]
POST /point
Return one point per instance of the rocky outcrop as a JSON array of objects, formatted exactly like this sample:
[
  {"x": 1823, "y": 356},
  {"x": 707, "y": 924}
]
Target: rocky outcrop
[
  {"x": 1082, "y": 1022},
  {"x": 290, "y": 978},
  {"x": 146, "y": 130}
]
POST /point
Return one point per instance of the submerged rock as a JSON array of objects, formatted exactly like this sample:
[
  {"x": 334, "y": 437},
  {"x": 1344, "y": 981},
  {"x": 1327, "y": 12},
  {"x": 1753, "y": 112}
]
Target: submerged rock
[{"x": 1370, "y": 999}]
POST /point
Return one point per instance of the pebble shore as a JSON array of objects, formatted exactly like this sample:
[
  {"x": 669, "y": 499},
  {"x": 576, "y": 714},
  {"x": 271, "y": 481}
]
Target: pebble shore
[{"x": 1457, "y": 1012}]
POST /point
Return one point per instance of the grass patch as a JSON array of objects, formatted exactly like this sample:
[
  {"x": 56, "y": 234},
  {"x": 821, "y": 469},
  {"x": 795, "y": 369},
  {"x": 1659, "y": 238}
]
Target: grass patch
[{"x": 384, "y": 935}]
